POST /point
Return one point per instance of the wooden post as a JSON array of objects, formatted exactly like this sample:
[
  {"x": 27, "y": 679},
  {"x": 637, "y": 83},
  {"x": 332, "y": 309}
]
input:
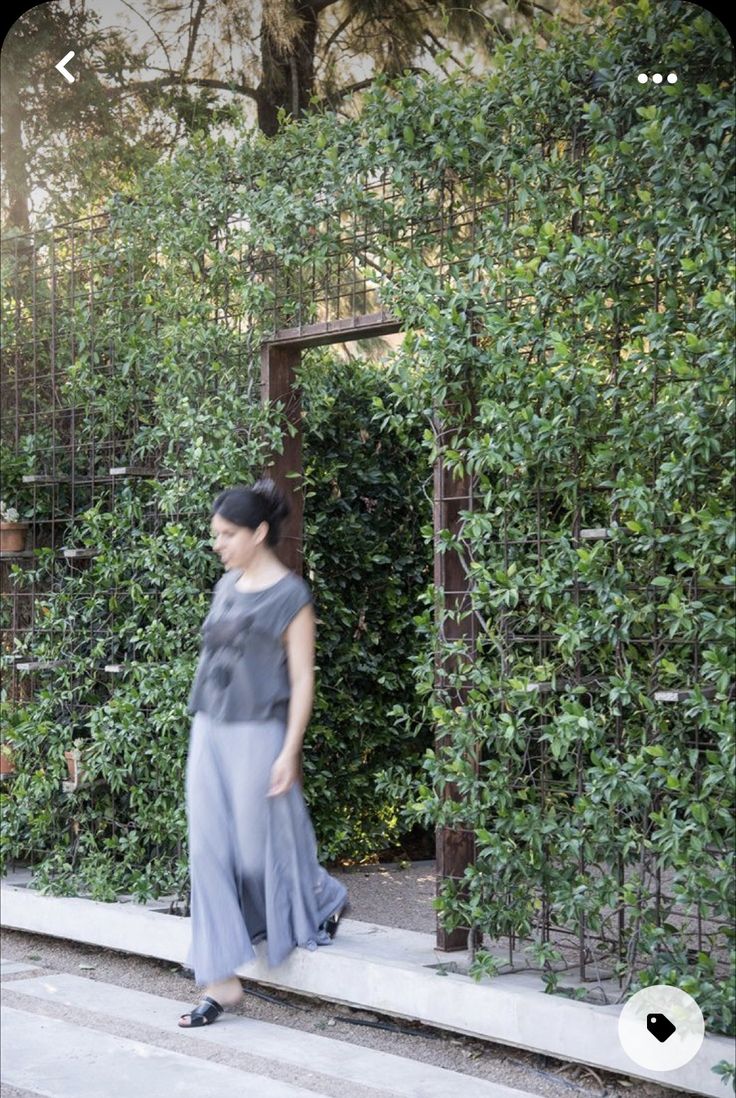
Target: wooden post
[
  {"x": 278, "y": 366},
  {"x": 455, "y": 847}
]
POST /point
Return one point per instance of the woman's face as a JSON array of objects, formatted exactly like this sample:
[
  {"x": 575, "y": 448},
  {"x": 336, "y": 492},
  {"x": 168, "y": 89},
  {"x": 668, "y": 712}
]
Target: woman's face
[{"x": 236, "y": 546}]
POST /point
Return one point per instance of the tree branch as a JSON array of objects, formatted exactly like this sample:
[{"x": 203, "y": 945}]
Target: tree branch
[
  {"x": 528, "y": 8},
  {"x": 440, "y": 49},
  {"x": 338, "y": 31},
  {"x": 343, "y": 93},
  {"x": 319, "y": 5},
  {"x": 153, "y": 30},
  {"x": 193, "y": 32},
  {"x": 293, "y": 71},
  {"x": 195, "y": 81}
]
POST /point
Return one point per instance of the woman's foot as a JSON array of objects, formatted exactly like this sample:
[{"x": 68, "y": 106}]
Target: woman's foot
[
  {"x": 333, "y": 921},
  {"x": 217, "y": 996},
  {"x": 204, "y": 1014}
]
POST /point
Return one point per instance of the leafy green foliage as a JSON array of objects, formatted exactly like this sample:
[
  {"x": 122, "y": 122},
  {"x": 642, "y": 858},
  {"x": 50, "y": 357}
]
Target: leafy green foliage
[
  {"x": 365, "y": 502},
  {"x": 572, "y": 355}
]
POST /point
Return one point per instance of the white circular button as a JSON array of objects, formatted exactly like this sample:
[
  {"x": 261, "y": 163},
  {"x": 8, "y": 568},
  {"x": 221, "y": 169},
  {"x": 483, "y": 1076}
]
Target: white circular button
[{"x": 661, "y": 1028}]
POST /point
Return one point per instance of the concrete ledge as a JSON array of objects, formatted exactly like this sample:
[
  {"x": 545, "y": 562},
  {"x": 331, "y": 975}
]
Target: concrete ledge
[{"x": 384, "y": 969}]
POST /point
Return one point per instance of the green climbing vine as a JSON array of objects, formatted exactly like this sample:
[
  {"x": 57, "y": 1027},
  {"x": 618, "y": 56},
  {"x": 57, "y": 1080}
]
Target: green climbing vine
[{"x": 561, "y": 260}]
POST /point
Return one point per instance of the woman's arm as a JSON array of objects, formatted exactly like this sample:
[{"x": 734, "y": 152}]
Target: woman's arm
[
  {"x": 299, "y": 643},
  {"x": 299, "y": 639}
]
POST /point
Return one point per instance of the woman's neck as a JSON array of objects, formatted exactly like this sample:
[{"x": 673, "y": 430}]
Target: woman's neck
[{"x": 261, "y": 572}]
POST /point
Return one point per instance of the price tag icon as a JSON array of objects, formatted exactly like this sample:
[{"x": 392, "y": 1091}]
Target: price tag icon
[{"x": 660, "y": 1027}]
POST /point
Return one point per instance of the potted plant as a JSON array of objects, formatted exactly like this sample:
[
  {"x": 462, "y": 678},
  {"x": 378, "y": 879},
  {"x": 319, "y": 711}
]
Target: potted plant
[
  {"x": 12, "y": 530},
  {"x": 22, "y": 502}
]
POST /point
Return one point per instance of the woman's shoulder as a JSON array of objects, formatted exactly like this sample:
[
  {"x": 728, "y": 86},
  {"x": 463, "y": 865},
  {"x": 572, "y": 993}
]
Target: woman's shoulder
[
  {"x": 297, "y": 585},
  {"x": 226, "y": 580}
]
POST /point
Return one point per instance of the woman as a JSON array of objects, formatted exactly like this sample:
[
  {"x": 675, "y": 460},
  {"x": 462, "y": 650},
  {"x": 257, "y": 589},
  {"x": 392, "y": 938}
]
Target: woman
[{"x": 252, "y": 849}]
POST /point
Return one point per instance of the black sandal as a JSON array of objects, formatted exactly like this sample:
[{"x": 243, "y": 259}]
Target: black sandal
[
  {"x": 331, "y": 923},
  {"x": 207, "y": 1012}
]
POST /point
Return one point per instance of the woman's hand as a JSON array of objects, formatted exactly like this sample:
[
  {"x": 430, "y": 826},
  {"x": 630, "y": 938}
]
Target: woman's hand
[{"x": 285, "y": 771}]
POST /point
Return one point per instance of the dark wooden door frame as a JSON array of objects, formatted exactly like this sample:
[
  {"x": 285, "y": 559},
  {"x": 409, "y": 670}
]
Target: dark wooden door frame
[{"x": 280, "y": 358}]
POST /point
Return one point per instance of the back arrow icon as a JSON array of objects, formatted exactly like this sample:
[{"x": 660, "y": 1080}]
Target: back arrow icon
[{"x": 67, "y": 75}]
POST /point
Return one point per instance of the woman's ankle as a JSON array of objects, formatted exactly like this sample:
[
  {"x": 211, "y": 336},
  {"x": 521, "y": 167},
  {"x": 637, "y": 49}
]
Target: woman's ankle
[{"x": 225, "y": 991}]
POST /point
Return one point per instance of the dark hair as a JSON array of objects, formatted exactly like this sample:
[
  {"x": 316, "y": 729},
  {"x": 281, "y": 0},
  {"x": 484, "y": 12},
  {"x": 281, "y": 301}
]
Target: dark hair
[{"x": 252, "y": 506}]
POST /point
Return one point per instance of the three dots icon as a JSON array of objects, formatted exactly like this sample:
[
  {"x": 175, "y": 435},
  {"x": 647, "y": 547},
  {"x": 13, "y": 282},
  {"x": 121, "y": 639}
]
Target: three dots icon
[{"x": 657, "y": 78}]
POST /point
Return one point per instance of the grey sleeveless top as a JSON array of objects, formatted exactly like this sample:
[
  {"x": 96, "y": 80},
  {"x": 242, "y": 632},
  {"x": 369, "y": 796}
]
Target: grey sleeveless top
[{"x": 243, "y": 674}]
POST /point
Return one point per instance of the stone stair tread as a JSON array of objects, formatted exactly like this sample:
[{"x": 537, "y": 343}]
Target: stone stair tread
[
  {"x": 60, "y": 1059},
  {"x": 386, "y": 1072}
]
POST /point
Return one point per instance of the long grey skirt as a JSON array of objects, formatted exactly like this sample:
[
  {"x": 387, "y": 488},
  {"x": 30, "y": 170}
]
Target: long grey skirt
[{"x": 253, "y": 858}]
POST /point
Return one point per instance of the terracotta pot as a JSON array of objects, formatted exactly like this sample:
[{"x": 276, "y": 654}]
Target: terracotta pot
[
  {"x": 7, "y": 765},
  {"x": 77, "y": 775},
  {"x": 13, "y": 536},
  {"x": 72, "y": 764}
]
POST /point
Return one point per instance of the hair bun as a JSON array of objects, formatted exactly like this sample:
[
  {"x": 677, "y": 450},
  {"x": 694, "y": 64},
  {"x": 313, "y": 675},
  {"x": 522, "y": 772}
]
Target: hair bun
[{"x": 267, "y": 489}]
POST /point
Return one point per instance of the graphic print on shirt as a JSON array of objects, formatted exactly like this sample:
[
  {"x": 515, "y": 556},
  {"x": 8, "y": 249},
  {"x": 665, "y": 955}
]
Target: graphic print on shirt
[{"x": 243, "y": 672}]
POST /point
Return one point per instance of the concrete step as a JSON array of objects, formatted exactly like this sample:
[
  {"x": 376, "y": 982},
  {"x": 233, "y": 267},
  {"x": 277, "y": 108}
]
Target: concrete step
[
  {"x": 63, "y": 1060},
  {"x": 351, "y": 1064},
  {"x": 10, "y": 968}
]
